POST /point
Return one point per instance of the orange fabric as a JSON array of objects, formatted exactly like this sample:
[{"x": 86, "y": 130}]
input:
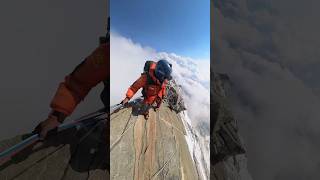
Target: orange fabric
[
  {"x": 77, "y": 85},
  {"x": 152, "y": 91},
  {"x": 139, "y": 83},
  {"x": 163, "y": 89}
]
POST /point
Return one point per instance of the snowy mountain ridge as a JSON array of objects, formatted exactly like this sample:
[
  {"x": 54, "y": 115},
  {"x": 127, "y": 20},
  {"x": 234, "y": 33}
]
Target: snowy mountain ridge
[
  {"x": 198, "y": 147},
  {"x": 195, "y": 94}
]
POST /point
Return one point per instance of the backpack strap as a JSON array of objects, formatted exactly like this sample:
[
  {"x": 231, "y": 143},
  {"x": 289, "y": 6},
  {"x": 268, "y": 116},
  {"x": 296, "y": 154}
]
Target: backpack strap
[
  {"x": 151, "y": 74},
  {"x": 147, "y": 70}
]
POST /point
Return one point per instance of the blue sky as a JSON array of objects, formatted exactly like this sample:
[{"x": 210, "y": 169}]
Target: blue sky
[{"x": 173, "y": 26}]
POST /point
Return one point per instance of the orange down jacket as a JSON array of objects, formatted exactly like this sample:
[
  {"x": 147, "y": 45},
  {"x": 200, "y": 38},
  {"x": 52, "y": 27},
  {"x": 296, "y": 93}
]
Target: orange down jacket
[
  {"x": 93, "y": 70},
  {"x": 152, "y": 91}
]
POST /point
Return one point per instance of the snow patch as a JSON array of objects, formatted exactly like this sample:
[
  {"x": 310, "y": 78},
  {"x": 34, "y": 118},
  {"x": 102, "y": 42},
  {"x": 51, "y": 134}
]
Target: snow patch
[{"x": 198, "y": 147}]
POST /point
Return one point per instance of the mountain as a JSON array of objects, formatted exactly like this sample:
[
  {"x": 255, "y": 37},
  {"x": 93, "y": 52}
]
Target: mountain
[
  {"x": 164, "y": 146},
  {"x": 155, "y": 148}
]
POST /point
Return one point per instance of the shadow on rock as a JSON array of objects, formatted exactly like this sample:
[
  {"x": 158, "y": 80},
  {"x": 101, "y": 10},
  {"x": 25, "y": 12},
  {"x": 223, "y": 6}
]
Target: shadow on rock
[
  {"x": 138, "y": 107},
  {"x": 88, "y": 148}
]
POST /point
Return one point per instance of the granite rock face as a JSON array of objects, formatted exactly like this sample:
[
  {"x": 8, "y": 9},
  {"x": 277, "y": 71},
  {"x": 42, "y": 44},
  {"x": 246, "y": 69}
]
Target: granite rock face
[
  {"x": 155, "y": 148},
  {"x": 227, "y": 153},
  {"x": 70, "y": 155},
  {"x": 140, "y": 149},
  {"x": 174, "y": 98}
]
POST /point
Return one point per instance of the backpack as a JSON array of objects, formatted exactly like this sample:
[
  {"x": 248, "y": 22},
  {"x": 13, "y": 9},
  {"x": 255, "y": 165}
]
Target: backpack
[
  {"x": 146, "y": 69},
  {"x": 150, "y": 81},
  {"x": 147, "y": 65}
]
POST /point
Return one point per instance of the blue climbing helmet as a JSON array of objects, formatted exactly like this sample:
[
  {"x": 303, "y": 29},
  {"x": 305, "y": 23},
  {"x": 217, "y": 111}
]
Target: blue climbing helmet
[{"x": 163, "y": 70}]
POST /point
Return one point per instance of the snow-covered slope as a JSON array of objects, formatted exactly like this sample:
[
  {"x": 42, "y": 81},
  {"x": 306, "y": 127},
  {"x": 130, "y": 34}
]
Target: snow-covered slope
[
  {"x": 193, "y": 80},
  {"x": 198, "y": 147}
]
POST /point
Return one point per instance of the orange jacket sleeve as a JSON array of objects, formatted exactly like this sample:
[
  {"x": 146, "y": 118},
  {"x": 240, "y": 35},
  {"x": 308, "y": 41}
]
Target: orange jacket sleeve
[
  {"x": 93, "y": 70},
  {"x": 139, "y": 83}
]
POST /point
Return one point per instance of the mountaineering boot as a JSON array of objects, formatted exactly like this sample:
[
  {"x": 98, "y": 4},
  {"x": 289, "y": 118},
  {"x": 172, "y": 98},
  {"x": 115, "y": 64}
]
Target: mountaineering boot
[
  {"x": 156, "y": 104},
  {"x": 146, "y": 115}
]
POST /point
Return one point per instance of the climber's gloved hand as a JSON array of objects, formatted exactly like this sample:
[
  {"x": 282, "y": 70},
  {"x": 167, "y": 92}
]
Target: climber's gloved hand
[
  {"x": 155, "y": 108},
  {"x": 52, "y": 122},
  {"x": 125, "y": 101},
  {"x": 156, "y": 104}
]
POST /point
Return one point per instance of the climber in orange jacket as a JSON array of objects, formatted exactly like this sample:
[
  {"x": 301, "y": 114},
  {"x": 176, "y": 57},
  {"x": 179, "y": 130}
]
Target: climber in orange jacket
[
  {"x": 153, "y": 81},
  {"x": 92, "y": 71}
]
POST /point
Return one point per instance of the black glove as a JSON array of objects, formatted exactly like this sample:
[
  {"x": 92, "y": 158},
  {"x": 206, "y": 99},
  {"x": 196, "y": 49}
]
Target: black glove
[
  {"x": 125, "y": 101},
  {"x": 52, "y": 122}
]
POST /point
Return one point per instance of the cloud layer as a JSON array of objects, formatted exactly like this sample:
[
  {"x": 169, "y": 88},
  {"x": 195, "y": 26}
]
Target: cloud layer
[{"x": 266, "y": 52}]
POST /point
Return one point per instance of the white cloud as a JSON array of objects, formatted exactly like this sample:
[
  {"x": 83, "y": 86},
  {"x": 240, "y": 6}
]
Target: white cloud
[
  {"x": 263, "y": 51},
  {"x": 127, "y": 61},
  {"x": 126, "y": 65}
]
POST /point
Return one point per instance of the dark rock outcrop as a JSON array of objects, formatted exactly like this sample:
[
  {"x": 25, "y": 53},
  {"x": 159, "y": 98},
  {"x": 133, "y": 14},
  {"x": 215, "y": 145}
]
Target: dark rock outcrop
[
  {"x": 174, "y": 97},
  {"x": 226, "y": 147}
]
